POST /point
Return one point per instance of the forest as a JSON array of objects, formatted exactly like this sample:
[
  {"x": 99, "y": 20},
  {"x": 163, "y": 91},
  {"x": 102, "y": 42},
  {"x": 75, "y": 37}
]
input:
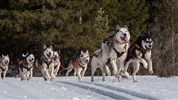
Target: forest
[{"x": 74, "y": 25}]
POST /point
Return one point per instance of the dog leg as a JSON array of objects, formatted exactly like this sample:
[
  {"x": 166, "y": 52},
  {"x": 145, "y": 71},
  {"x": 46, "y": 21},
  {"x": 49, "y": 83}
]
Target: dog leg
[
  {"x": 126, "y": 74},
  {"x": 69, "y": 70},
  {"x": 56, "y": 70},
  {"x": 0, "y": 74},
  {"x": 136, "y": 68},
  {"x": 120, "y": 66},
  {"x": 79, "y": 70},
  {"x": 108, "y": 70},
  {"x": 84, "y": 70},
  {"x": 93, "y": 69},
  {"x": 4, "y": 74},
  {"x": 103, "y": 69},
  {"x": 114, "y": 66},
  {"x": 150, "y": 67},
  {"x": 44, "y": 73},
  {"x": 145, "y": 65},
  {"x": 30, "y": 74}
]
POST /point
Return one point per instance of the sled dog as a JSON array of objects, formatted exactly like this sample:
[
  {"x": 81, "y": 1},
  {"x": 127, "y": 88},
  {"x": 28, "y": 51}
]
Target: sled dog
[
  {"x": 57, "y": 62},
  {"x": 79, "y": 63},
  {"x": 4, "y": 64},
  {"x": 26, "y": 66},
  {"x": 140, "y": 53},
  {"x": 115, "y": 48},
  {"x": 96, "y": 62},
  {"x": 46, "y": 63}
]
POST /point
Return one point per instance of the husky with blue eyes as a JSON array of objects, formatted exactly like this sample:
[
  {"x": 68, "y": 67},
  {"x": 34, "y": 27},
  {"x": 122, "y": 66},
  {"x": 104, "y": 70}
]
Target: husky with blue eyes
[{"x": 140, "y": 53}]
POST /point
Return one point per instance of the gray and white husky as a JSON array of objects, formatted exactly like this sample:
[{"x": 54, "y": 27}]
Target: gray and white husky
[
  {"x": 96, "y": 62},
  {"x": 46, "y": 63},
  {"x": 4, "y": 64},
  {"x": 79, "y": 63},
  {"x": 115, "y": 48},
  {"x": 26, "y": 66},
  {"x": 140, "y": 53},
  {"x": 57, "y": 62}
]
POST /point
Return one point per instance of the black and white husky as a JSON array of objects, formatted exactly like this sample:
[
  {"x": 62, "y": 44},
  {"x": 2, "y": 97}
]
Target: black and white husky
[
  {"x": 26, "y": 66},
  {"x": 57, "y": 62},
  {"x": 79, "y": 63},
  {"x": 140, "y": 53},
  {"x": 115, "y": 48},
  {"x": 46, "y": 63},
  {"x": 4, "y": 64},
  {"x": 96, "y": 62}
]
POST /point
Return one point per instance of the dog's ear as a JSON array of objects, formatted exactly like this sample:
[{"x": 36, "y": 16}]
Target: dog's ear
[
  {"x": 126, "y": 26},
  {"x": 59, "y": 51},
  {"x": 118, "y": 27},
  {"x": 23, "y": 55},
  {"x": 142, "y": 34},
  {"x": 7, "y": 55},
  {"x": 87, "y": 52},
  {"x": 81, "y": 52},
  {"x": 44, "y": 47},
  {"x": 51, "y": 46}
]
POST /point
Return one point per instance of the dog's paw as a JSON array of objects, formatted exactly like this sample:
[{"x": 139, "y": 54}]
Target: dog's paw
[
  {"x": 135, "y": 81},
  {"x": 151, "y": 71},
  {"x": 125, "y": 75}
]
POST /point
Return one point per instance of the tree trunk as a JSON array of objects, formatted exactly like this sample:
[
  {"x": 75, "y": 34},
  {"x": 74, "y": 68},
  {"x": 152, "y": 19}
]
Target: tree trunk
[{"x": 173, "y": 38}]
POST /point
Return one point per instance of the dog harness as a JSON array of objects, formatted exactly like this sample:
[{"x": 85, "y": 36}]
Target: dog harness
[
  {"x": 119, "y": 54},
  {"x": 3, "y": 69},
  {"x": 23, "y": 64},
  {"x": 97, "y": 54},
  {"x": 46, "y": 61},
  {"x": 136, "y": 47},
  {"x": 77, "y": 63}
]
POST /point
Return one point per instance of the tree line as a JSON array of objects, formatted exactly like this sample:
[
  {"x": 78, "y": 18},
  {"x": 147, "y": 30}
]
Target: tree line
[{"x": 72, "y": 25}]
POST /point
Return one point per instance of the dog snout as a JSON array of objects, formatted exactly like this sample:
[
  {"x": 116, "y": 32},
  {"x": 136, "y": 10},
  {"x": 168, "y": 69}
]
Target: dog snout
[
  {"x": 87, "y": 61},
  {"x": 125, "y": 34},
  {"x": 6, "y": 62},
  {"x": 150, "y": 46}
]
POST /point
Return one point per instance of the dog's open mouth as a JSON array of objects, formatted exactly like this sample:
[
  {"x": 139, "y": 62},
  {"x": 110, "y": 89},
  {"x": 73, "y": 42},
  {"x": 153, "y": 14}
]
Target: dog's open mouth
[
  {"x": 31, "y": 61},
  {"x": 49, "y": 55},
  {"x": 6, "y": 63},
  {"x": 148, "y": 48},
  {"x": 124, "y": 39}
]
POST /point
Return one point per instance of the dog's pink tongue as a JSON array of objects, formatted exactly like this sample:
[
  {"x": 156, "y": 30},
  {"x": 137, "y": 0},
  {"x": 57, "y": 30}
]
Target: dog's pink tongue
[{"x": 126, "y": 40}]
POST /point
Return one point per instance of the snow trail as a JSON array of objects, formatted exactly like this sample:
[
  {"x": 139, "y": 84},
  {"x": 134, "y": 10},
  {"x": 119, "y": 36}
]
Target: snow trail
[{"x": 104, "y": 91}]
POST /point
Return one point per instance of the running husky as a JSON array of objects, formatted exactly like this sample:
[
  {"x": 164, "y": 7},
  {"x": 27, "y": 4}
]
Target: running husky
[
  {"x": 4, "y": 64},
  {"x": 140, "y": 52},
  {"x": 46, "y": 63},
  {"x": 115, "y": 49},
  {"x": 79, "y": 63},
  {"x": 26, "y": 66},
  {"x": 96, "y": 62},
  {"x": 57, "y": 62}
]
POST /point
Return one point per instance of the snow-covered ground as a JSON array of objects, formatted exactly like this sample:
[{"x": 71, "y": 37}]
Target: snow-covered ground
[{"x": 69, "y": 88}]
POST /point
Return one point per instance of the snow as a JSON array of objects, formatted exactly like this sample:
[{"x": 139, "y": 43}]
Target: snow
[{"x": 69, "y": 88}]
